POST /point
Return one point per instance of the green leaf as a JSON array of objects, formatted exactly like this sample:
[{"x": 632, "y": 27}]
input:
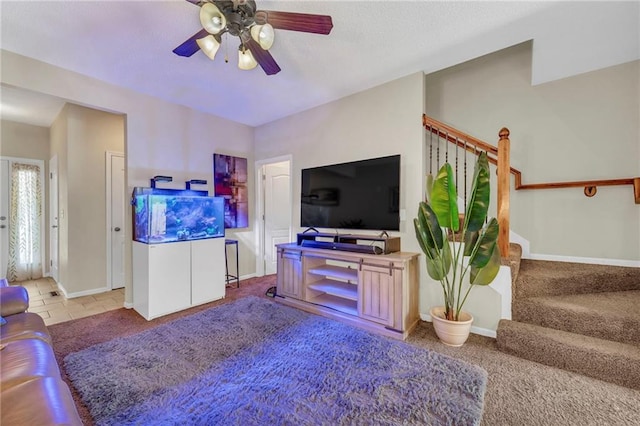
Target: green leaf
[
  {"x": 470, "y": 239},
  {"x": 478, "y": 205},
  {"x": 486, "y": 275},
  {"x": 483, "y": 249},
  {"x": 429, "y": 187},
  {"x": 432, "y": 242},
  {"x": 444, "y": 199},
  {"x": 430, "y": 230},
  {"x": 438, "y": 267}
]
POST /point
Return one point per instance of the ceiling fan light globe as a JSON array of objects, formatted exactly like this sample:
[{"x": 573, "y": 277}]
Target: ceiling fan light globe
[
  {"x": 264, "y": 35},
  {"x": 212, "y": 19},
  {"x": 246, "y": 61},
  {"x": 209, "y": 46}
]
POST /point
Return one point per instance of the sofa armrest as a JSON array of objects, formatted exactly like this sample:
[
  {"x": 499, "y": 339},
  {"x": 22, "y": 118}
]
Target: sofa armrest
[{"x": 13, "y": 300}]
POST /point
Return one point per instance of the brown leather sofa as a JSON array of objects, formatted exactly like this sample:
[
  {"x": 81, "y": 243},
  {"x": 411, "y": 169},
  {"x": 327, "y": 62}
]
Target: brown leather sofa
[{"x": 31, "y": 389}]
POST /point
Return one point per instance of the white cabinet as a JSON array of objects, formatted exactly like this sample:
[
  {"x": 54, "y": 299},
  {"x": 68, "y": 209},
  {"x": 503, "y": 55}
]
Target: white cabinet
[
  {"x": 375, "y": 292},
  {"x": 174, "y": 276}
]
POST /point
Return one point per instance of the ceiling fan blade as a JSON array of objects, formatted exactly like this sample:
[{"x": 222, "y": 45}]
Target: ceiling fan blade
[
  {"x": 263, "y": 57},
  {"x": 196, "y": 2},
  {"x": 292, "y": 21},
  {"x": 189, "y": 47}
]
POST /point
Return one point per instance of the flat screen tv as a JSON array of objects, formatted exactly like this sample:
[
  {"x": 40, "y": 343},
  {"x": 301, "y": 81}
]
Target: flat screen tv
[{"x": 356, "y": 195}]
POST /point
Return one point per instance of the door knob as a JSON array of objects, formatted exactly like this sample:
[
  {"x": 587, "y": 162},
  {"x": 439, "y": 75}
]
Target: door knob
[
  {"x": 3, "y": 226},
  {"x": 117, "y": 228},
  {"x": 54, "y": 226},
  {"x": 3, "y": 218}
]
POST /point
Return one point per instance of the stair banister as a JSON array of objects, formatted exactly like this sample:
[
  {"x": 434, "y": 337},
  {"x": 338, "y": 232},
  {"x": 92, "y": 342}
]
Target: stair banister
[{"x": 504, "y": 182}]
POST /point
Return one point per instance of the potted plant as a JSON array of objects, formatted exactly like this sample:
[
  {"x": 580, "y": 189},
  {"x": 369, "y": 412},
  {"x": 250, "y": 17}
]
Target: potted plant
[{"x": 456, "y": 245}]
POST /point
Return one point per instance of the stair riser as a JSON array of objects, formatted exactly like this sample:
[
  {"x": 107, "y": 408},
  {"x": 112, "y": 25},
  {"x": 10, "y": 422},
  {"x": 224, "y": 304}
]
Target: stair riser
[
  {"x": 588, "y": 323},
  {"x": 593, "y": 361}
]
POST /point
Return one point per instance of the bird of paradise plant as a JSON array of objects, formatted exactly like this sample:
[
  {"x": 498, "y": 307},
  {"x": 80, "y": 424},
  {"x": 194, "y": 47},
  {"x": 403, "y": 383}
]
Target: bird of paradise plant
[{"x": 448, "y": 261}]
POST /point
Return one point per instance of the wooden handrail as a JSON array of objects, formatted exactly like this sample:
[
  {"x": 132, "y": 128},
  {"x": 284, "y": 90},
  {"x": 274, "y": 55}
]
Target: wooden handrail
[
  {"x": 457, "y": 138},
  {"x": 450, "y": 133},
  {"x": 500, "y": 157}
]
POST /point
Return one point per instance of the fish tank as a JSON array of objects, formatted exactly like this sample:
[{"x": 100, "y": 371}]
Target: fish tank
[{"x": 161, "y": 218}]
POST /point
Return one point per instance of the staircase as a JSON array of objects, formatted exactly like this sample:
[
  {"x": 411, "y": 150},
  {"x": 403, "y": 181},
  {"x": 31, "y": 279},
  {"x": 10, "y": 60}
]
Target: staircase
[{"x": 579, "y": 317}]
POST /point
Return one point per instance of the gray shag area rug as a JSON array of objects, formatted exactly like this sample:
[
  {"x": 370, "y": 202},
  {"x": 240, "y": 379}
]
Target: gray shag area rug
[{"x": 256, "y": 362}]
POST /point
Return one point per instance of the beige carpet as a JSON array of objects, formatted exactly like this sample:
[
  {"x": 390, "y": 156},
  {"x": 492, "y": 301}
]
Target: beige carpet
[
  {"x": 519, "y": 392},
  {"x": 579, "y": 317}
]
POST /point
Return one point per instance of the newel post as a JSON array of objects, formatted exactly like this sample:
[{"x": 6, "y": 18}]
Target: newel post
[{"x": 504, "y": 180}]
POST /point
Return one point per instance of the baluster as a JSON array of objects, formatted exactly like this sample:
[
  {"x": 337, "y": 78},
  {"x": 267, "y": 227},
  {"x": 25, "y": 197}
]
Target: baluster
[
  {"x": 431, "y": 151},
  {"x": 465, "y": 174},
  {"x": 446, "y": 144},
  {"x": 438, "y": 150},
  {"x": 457, "y": 175}
]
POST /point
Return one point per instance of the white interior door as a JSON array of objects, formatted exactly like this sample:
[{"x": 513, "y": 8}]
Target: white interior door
[
  {"x": 4, "y": 217},
  {"x": 277, "y": 211},
  {"x": 116, "y": 228},
  {"x": 53, "y": 218}
]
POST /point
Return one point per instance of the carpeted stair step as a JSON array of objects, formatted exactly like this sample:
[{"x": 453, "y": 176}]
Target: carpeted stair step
[
  {"x": 607, "y": 315},
  {"x": 546, "y": 278},
  {"x": 605, "y": 360}
]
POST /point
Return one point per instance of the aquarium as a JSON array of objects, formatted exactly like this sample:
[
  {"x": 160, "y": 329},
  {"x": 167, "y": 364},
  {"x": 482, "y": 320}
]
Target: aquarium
[{"x": 169, "y": 218}]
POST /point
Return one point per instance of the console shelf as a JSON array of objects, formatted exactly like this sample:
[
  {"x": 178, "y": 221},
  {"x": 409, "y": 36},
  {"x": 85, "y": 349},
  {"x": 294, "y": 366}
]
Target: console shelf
[
  {"x": 338, "y": 272},
  {"x": 337, "y": 288},
  {"x": 375, "y": 292},
  {"x": 338, "y": 303}
]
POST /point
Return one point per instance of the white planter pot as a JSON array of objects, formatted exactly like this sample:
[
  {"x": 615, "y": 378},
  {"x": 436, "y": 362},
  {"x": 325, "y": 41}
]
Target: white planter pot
[{"x": 452, "y": 333}]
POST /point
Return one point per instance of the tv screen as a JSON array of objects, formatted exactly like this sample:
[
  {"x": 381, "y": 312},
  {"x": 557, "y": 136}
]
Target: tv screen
[{"x": 356, "y": 195}]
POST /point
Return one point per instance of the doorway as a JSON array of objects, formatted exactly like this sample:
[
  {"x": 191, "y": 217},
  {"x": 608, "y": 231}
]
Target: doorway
[
  {"x": 4, "y": 217},
  {"x": 274, "y": 211},
  {"x": 53, "y": 218},
  {"x": 115, "y": 202},
  {"x": 22, "y": 237}
]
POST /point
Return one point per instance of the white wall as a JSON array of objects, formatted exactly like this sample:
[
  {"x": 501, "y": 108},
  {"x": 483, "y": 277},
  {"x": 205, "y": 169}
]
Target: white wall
[
  {"x": 578, "y": 128},
  {"x": 385, "y": 120},
  {"x": 161, "y": 138}
]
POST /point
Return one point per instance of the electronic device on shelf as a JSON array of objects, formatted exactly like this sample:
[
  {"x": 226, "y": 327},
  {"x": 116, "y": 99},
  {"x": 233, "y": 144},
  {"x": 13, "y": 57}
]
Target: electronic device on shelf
[
  {"x": 370, "y": 244},
  {"x": 358, "y": 195}
]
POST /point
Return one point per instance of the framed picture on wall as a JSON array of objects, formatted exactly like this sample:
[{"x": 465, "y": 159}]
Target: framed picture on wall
[{"x": 230, "y": 182}]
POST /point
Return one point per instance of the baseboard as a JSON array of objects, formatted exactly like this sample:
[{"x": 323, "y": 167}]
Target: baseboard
[
  {"x": 128, "y": 305},
  {"x": 62, "y": 289},
  {"x": 475, "y": 330},
  {"x": 484, "y": 332},
  {"x": 84, "y": 293},
  {"x": 246, "y": 277},
  {"x": 591, "y": 260}
]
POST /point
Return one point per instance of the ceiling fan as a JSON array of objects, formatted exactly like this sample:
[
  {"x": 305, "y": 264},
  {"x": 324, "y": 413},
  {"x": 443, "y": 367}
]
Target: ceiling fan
[{"x": 255, "y": 28}]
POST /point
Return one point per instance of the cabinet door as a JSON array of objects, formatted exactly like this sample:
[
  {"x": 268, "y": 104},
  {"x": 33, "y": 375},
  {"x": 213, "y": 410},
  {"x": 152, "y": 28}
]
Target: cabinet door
[
  {"x": 207, "y": 270},
  {"x": 289, "y": 282},
  {"x": 169, "y": 278},
  {"x": 376, "y": 295}
]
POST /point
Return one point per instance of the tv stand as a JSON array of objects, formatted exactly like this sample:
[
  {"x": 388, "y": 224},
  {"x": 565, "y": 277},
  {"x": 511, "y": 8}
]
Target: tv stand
[{"x": 375, "y": 292}]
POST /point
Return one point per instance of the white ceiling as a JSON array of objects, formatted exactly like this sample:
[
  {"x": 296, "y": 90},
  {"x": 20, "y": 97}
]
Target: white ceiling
[{"x": 130, "y": 44}]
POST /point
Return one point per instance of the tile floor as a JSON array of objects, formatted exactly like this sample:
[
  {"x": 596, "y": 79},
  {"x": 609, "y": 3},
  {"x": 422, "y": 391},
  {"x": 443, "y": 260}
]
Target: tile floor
[{"x": 56, "y": 308}]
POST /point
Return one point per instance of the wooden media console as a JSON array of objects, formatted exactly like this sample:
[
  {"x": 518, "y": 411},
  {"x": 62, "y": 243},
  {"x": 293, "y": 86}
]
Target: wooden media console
[{"x": 377, "y": 292}]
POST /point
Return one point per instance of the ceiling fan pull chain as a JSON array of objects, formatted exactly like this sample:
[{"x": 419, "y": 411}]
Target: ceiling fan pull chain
[{"x": 226, "y": 49}]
